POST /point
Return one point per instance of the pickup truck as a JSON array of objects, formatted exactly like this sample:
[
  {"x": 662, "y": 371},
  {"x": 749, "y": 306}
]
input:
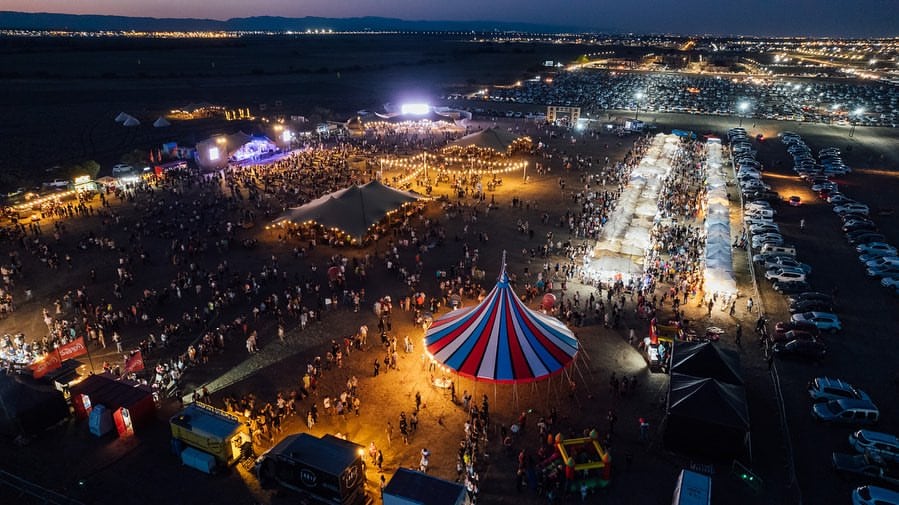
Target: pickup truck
[{"x": 867, "y": 465}]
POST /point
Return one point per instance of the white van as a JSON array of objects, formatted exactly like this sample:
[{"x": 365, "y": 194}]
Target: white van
[
  {"x": 692, "y": 489},
  {"x": 122, "y": 168},
  {"x": 778, "y": 249}
]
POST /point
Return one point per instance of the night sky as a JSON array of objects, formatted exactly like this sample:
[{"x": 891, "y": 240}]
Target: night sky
[{"x": 749, "y": 17}]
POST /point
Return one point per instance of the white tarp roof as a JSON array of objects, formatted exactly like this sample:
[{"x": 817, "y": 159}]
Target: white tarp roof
[
  {"x": 719, "y": 268},
  {"x": 121, "y": 117},
  {"x": 161, "y": 122},
  {"x": 131, "y": 121}
]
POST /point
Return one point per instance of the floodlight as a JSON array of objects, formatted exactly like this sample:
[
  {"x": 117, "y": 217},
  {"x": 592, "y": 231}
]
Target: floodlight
[
  {"x": 214, "y": 154},
  {"x": 286, "y": 136},
  {"x": 743, "y": 106},
  {"x": 859, "y": 111},
  {"x": 416, "y": 109}
]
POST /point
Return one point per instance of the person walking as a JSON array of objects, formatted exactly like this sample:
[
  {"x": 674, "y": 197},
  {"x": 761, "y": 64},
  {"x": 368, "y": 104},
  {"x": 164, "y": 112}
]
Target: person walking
[
  {"x": 802, "y": 224},
  {"x": 738, "y": 337},
  {"x": 644, "y": 429},
  {"x": 749, "y": 305}
]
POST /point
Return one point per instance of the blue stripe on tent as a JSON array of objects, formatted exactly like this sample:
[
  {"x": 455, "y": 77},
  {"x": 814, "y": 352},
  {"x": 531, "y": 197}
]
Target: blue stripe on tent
[
  {"x": 545, "y": 357},
  {"x": 504, "y": 370},
  {"x": 461, "y": 355}
]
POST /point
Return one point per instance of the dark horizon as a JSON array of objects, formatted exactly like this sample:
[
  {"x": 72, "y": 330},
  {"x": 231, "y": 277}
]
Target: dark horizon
[{"x": 764, "y": 18}]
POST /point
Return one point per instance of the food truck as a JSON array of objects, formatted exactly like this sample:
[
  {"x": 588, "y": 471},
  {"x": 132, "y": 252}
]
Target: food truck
[
  {"x": 327, "y": 469},
  {"x": 210, "y": 431}
]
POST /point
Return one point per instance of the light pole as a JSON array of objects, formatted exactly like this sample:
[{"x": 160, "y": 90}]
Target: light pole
[
  {"x": 742, "y": 107},
  {"x": 637, "y": 97},
  {"x": 856, "y": 114}
]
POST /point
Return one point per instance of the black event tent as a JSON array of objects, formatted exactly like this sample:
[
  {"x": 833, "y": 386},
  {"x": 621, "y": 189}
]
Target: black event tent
[
  {"x": 705, "y": 359},
  {"x": 28, "y": 409},
  {"x": 493, "y": 138},
  {"x": 352, "y": 210},
  {"x": 706, "y": 417}
]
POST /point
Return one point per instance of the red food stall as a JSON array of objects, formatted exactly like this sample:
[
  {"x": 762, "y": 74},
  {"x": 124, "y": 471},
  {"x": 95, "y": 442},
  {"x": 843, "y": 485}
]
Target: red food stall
[{"x": 131, "y": 403}]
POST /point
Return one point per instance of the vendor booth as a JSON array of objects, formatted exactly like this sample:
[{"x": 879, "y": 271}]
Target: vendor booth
[
  {"x": 130, "y": 405},
  {"x": 210, "y": 430},
  {"x": 660, "y": 343}
]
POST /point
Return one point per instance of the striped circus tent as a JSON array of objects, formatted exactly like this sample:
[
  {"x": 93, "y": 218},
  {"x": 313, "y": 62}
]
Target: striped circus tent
[{"x": 501, "y": 340}]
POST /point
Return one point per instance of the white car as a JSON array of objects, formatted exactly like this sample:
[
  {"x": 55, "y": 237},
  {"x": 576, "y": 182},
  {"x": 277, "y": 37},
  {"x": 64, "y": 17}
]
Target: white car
[
  {"x": 785, "y": 274},
  {"x": 822, "y": 320},
  {"x": 755, "y": 229},
  {"x": 873, "y": 495},
  {"x": 788, "y": 262},
  {"x": 882, "y": 261},
  {"x": 767, "y": 238},
  {"x": 855, "y": 208},
  {"x": 876, "y": 247},
  {"x": 760, "y": 213},
  {"x": 890, "y": 282}
]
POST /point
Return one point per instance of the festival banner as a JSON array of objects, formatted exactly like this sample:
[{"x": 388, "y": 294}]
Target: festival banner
[
  {"x": 46, "y": 365},
  {"x": 134, "y": 363},
  {"x": 73, "y": 349}
]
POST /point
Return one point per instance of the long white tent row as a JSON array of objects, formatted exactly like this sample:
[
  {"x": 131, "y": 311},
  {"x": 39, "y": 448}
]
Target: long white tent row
[
  {"x": 719, "y": 267},
  {"x": 625, "y": 239}
]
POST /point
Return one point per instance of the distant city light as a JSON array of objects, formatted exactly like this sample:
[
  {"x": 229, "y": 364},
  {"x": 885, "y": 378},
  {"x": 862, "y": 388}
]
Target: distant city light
[{"x": 416, "y": 109}]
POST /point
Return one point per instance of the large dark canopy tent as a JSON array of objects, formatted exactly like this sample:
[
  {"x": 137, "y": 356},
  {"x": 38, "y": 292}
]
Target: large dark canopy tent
[
  {"x": 352, "y": 210},
  {"x": 705, "y": 359},
  {"x": 707, "y": 417}
]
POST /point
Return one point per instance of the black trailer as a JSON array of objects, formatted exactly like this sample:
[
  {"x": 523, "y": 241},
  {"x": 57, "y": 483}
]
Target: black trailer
[{"x": 326, "y": 469}]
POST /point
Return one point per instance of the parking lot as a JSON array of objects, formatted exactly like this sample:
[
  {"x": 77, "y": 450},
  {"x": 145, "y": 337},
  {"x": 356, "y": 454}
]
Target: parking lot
[{"x": 862, "y": 352}]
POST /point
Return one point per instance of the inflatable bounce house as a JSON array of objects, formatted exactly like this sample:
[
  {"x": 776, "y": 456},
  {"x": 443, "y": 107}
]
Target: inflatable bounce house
[{"x": 585, "y": 463}]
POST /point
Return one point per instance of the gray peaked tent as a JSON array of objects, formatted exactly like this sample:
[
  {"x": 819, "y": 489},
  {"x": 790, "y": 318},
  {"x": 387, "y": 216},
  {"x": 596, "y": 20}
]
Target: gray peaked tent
[
  {"x": 705, "y": 359},
  {"x": 161, "y": 122},
  {"x": 352, "y": 210},
  {"x": 706, "y": 417},
  {"x": 494, "y": 138}
]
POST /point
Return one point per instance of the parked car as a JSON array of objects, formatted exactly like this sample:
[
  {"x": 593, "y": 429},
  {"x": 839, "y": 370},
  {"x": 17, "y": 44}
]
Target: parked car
[
  {"x": 873, "y": 495},
  {"x": 865, "y": 258},
  {"x": 789, "y": 262},
  {"x": 864, "y": 237},
  {"x": 785, "y": 274},
  {"x": 859, "y": 224},
  {"x": 766, "y": 238},
  {"x": 800, "y": 349},
  {"x": 890, "y": 282},
  {"x": 811, "y": 306},
  {"x": 866, "y": 465},
  {"x": 884, "y": 445},
  {"x": 883, "y": 271},
  {"x": 826, "y": 388},
  {"x": 784, "y": 326},
  {"x": 794, "y": 201},
  {"x": 810, "y": 295},
  {"x": 876, "y": 247},
  {"x": 839, "y": 199},
  {"x": 757, "y": 229},
  {"x": 765, "y": 258},
  {"x": 846, "y": 412},
  {"x": 791, "y": 287},
  {"x": 825, "y": 321},
  {"x": 882, "y": 261},
  {"x": 789, "y": 336},
  {"x": 858, "y": 208}
]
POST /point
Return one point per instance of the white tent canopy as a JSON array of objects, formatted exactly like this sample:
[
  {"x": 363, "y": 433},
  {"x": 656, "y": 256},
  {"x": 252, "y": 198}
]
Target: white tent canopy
[
  {"x": 161, "y": 122},
  {"x": 719, "y": 268},
  {"x": 121, "y": 117},
  {"x": 131, "y": 121},
  {"x": 625, "y": 238}
]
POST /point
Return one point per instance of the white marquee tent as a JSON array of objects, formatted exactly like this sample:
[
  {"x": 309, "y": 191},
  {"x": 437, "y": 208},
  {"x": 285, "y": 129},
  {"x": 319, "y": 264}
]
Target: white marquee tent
[{"x": 719, "y": 267}]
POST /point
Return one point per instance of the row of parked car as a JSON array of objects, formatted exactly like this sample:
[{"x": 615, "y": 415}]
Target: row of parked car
[
  {"x": 836, "y": 401},
  {"x": 812, "y": 312},
  {"x": 879, "y": 257},
  {"x": 876, "y": 454}
]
